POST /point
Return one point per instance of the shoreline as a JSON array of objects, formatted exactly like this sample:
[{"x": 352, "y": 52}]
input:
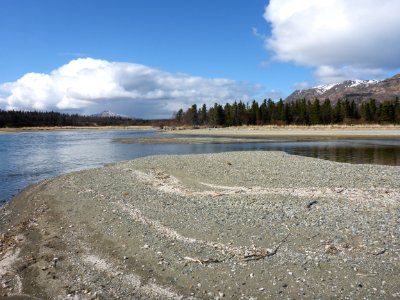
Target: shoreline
[
  {"x": 234, "y": 224},
  {"x": 199, "y": 140},
  {"x": 265, "y": 131},
  {"x": 322, "y": 132},
  {"x": 66, "y": 128}
]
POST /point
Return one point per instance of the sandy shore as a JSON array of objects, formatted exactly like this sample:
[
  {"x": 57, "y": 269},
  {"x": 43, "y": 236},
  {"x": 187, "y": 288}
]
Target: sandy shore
[
  {"x": 243, "y": 225},
  {"x": 196, "y": 140},
  {"x": 65, "y": 128},
  {"x": 318, "y": 132}
]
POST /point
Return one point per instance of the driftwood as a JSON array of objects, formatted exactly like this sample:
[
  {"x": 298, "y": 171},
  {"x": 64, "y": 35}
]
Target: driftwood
[
  {"x": 311, "y": 204},
  {"x": 202, "y": 261},
  {"x": 379, "y": 252},
  {"x": 256, "y": 254}
]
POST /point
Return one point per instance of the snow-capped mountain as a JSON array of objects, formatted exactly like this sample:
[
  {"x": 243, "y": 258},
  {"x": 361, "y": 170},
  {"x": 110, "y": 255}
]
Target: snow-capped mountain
[
  {"x": 110, "y": 114},
  {"x": 357, "y": 90}
]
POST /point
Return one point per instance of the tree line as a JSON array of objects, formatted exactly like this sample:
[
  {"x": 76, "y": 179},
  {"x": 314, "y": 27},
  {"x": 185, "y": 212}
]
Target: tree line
[
  {"x": 17, "y": 119},
  {"x": 299, "y": 112}
]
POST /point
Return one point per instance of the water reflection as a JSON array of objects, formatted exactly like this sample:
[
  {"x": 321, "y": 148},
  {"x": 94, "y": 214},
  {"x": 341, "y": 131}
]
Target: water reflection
[{"x": 352, "y": 153}]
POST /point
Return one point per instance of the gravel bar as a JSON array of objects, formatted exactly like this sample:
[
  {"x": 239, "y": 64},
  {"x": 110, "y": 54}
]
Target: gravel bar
[{"x": 236, "y": 225}]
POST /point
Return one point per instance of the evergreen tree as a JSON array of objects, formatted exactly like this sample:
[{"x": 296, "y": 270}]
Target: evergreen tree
[
  {"x": 217, "y": 115},
  {"x": 203, "y": 115},
  {"x": 264, "y": 112},
  {"x": 235, "y": 114},
  {"x": 326, "y": 112},
  {"x": 254, "y": 113},
  {"x": 315, "y": 112},
  {"x": 278, "y": 114},
  {"x": 195, "y": 115},
  {"x": 179, "y": 116},
  {"x": 242, "y": 114},
  {"x": 373, "y": 110},
  {"x": 386, "y": 112},
  {"x": 287, "y": 113},
  {"x": 354, "y": 111},
  {"x": 346, "y": 111},
  {"x": 338, "y": 113},
  {"x": 229, "y": 115}
]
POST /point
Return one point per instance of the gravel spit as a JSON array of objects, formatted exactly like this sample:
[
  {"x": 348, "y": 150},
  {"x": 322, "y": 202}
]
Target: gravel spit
[{"x": 240, "y": 225}]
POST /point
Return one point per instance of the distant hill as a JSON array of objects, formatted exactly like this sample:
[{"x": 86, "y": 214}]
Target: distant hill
[
  {"x": 110, "y": 114},
  {"x": 357, "y": 90}
]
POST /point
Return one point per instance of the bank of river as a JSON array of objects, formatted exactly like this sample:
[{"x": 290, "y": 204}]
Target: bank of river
[
  {"x": 230, "y": 225},
  {"x": 313, "y": 132}
]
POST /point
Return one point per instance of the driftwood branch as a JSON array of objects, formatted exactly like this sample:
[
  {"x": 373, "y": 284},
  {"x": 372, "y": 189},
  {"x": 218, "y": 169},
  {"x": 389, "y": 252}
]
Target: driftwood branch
[
  {"x": 256, "y": 254},
  {"x": 201, "y": 261}
]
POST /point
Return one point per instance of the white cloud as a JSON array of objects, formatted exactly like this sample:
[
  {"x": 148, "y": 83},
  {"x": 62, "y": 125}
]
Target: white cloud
[
  {"x": 273, "y": 94},
  {"x": 88, "y": 85},
  {"x": 257, "y": 34},
  {"x": 301, "y": 85},
  {"x": 361, "y": 35},
  {"x": 329, "y": 74}
]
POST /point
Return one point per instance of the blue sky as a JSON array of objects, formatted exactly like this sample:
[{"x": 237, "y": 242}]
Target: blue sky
[{"x": 52, "y": 53}]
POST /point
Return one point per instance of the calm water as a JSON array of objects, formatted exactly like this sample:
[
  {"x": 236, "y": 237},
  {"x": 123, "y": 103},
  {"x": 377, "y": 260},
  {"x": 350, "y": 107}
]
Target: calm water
[{"x": 26, "y": 158}]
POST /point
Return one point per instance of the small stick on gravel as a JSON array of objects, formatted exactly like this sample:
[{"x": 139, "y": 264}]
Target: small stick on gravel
[
  {"x": 379, "y": 252},
  {"x": 311, "y": 204},
  {"x": 365, "y": 275},
  {"x": 256, "y": 254},
  {"x": 202, "y": 261}
]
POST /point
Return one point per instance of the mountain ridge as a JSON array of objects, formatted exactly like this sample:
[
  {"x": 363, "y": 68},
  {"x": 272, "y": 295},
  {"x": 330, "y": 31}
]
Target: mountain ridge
[{"x": 357, "y": 90}]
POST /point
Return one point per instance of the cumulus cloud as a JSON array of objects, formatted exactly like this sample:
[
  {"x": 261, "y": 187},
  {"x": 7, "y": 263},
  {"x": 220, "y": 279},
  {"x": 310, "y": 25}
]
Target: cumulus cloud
[
  {"x": 273, "y": 94},
  {"x": 87, "y": 85},
  {"x": 355, "y": 38},
  {"x": 329, "y": 74},
  {"x": 301, "y": 85}
]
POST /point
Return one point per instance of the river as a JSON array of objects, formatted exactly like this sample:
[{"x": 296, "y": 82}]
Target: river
[{"x": 29, "y": 157}]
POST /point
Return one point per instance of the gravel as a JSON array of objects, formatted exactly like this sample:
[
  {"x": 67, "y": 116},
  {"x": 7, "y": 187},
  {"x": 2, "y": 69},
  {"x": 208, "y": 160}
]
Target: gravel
[{"x": 242, "y": 225}]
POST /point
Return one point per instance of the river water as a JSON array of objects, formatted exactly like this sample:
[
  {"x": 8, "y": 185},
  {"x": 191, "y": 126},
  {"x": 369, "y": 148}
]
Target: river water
[{"x": 29, "y": 157}]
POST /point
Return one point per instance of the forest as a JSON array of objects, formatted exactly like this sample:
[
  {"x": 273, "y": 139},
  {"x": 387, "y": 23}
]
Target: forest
[
  {"x": 300, "y": 112},
  {"x": 16, "y": 119}
]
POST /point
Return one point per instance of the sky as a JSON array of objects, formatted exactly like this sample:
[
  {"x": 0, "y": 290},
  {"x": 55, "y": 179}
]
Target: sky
[{"x": 149, "y": 58}]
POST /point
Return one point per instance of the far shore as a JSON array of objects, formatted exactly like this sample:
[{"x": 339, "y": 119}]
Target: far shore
[
  {"x": 195, "y": 140},
  {"x": 65, "y": 128},
  {"x": 315, "y": 132},
  {"x": 320, "y": 132}
]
